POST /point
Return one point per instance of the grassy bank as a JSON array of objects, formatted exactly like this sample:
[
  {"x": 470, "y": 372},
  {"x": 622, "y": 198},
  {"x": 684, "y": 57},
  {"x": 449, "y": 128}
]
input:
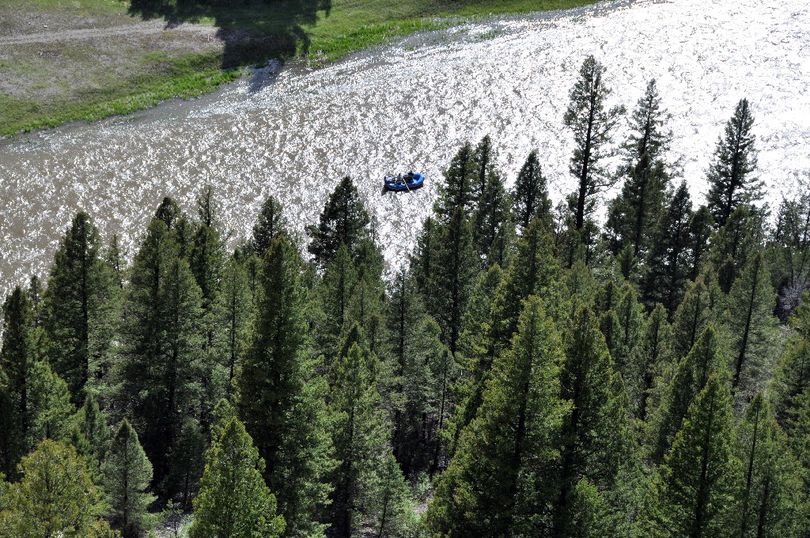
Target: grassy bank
[{"x": 48, "y": 84}]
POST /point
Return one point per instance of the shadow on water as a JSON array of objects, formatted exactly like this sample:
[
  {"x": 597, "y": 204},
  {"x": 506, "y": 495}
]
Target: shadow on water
[{"x": 253, "y": 31}]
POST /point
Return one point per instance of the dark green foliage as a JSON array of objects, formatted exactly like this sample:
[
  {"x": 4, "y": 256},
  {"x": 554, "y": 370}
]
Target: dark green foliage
[
  {"x": 459, "y": 193},
  {"x": 389, "y": 506},
  {"x": 92, "y": 425},
  {"x": 700, "y": 231},
  {"x": 50, "y": 409},
  {"x": 698, "y": 473},
  {"x": 591, "y": 124},
  {"x": 479, "y": 348},
  {"x": 492, "y": 226},
  {"x": 19, "y": 352},
  {"x": 691, "y": 375},
  {"x": 344, "y": 221},
  {"x": 360, "y": 438},
  {"x": 511, "y": 439},
  {"x": 789, "y": 252},
  {"x": 279, "y": 400},
  {"x": 453, "y": 273},
  {"x": 594, "y": 436},
  {"x": 655, "y": 352},
  {"x": 530, "y": 196},
  {"x": 627, "y": 348},
  {"x": 691, "y": 317},
  {"x": 127, "y": 474},
  {"x": 80, "y": 307},
  {"x": 633, "y": 214},
  {"x": 269, "y": 224},
  {"x": 234, "y": 501},
  {"x": 751, "y": 326},
  {"x": 162, "y": 341},
  {"x": 769, "y": 497},
  {"x": 237, "y": 314},
  {"x": 534, "y": 270},
  {"x": 669, "y": 262},
  {"x": 730, "y": 181},
  {"x": 734, "y": 243}
]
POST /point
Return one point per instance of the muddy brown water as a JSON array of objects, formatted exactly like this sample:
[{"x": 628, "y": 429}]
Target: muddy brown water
[{"x": 409, "y": 106}]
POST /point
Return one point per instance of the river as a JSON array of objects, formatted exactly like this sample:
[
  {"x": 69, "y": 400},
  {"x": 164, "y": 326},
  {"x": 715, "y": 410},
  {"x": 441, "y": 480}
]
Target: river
[{"x": 410, "y": 105}]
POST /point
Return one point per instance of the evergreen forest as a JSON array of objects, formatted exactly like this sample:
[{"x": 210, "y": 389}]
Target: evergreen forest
[{"x": 629, "y": 367}]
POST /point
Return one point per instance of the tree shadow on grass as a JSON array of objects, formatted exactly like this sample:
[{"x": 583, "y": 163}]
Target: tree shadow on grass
[{"x": 253, "y": 31}]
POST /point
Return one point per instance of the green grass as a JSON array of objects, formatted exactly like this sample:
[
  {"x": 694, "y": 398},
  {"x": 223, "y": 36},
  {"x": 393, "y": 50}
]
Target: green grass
[
  {"x": 349, "y": 26},
  {"x": 185, "y": 77}
]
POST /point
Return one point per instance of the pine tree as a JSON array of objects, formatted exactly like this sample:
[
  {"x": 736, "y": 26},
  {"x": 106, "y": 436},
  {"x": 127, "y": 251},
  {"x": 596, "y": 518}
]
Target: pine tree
[
  {"x": 751, "y": 326},
  {"x": 269, "y": 224},
  {"x": 493, "y": 228},
  {"x": 334, "y": 294},
  {"x": 344, "y": 221},
  {"x": 429, "y": 375},
  {"x": 697, "y": 474},
  {"x": 479, "y": 345},
  {"x": 206, "y": 261},
  {"x": 655, "y": 352},
  {"x": 769, "y": 497},
  {"x": 594, "y": 435},
  {"x": 279, "y": 401},
  {"x": 55, "y": 497},
  {"x": 366, "y": 305},
  {"x": 789, "y": 252},
  {"x": 534, "y": 271},
  {"x": 454, "y": 269},
  {"x": 791, "y": 379},
  {"x": 700, "y": 231},
  {"x": 591, "y": 124},
  {"x": 628, "y": 345},
  {"x": 691, "y": 317},
  {"x": 50, "y": 409},
  {"x": 669, "y": 259},
  {"x": 127, "y": 473},
  {"x": 461, "y": 183},
  {"x": 691, "y": 375},
  {"x": 360, "y": 438},
  {"x": 730, "y": 180},
  {"x": 234, "y": 501},
  {"x": 115, "y": 260},
  {"x": 92, "y": 425},
  {"x": 35, "y": 298},
  {"x": 237, "y": 315},
  {"x": 632, "y": 215},
  {"x": 510, "y": 440},
  {"x": 79, "y": 311},
  {"x": 530, "y": 195},
  {"x": 735, "y": 242},
  {"x": 18, "y": 354},
  {"x": 388, "y": 502},
  {"x": 162, "y": 337}
]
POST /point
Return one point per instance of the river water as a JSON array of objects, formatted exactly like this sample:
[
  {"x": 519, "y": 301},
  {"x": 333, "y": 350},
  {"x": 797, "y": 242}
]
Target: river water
[{"x": 410, "y": 105}]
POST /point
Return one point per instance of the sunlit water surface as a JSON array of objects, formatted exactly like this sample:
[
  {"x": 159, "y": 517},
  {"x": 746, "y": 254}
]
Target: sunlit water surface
[{"x": 411, "y": 105}]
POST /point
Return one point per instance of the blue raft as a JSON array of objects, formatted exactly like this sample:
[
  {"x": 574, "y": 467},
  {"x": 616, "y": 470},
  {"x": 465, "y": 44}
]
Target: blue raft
[{"x": 409, "y": 182}]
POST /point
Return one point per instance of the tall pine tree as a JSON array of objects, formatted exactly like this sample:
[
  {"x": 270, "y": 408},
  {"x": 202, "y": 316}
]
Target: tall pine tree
[
  {"x": 592, "y": 124},
  {"x": 80, "y": 307},
  {"x": 632, "y": 215},
  {"x": 730, "y": 176},
  {"x": 280, "y": 401}
]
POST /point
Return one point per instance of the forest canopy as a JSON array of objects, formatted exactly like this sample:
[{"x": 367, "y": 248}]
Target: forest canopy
[{"x": 528, "y": 371}]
